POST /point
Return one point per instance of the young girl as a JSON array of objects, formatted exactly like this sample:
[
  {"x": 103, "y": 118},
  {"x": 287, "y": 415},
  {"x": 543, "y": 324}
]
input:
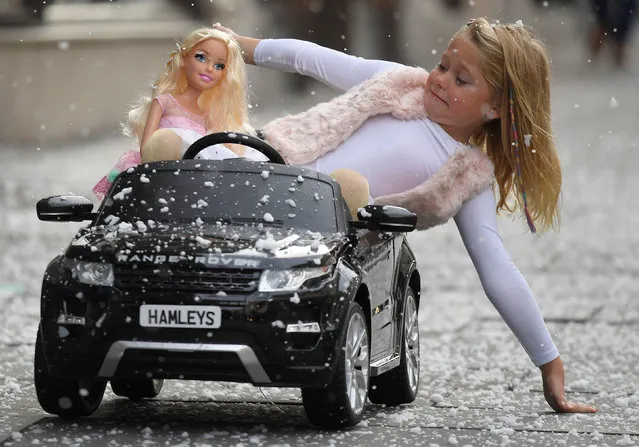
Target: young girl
[
  {"x": 202, "y": 91},
  {"x": 430, "y": 142}
]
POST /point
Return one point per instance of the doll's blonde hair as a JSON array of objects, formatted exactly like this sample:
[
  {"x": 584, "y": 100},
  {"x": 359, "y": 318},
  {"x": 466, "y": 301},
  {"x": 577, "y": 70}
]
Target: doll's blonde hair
[
  {"x": 226, "y": 103},
  {"x": 514, "y": 61}
]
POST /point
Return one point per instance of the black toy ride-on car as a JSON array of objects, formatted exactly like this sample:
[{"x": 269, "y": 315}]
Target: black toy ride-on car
[{"x": 229, "y": 270}]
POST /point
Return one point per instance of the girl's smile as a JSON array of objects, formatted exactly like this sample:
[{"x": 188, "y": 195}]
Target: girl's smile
[{"x": 436, "y": 96}]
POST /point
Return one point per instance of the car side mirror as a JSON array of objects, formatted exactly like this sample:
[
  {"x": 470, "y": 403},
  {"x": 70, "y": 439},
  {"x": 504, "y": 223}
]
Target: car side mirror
[
  {"x": 385, "y": 218},
  {"x": 65, "y": 209}
]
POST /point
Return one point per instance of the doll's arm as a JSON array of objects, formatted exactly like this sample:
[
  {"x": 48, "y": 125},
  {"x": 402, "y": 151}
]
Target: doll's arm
[{"x": 152, "y": 122}]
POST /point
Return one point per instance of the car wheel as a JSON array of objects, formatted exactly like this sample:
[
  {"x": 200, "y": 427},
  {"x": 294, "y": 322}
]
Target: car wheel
[
  {"x": 68, "y": 398},
  {"x": 341, "y": 403},
  {"x": 400, "y": 385},
  {"x": 137, "y": 389}
]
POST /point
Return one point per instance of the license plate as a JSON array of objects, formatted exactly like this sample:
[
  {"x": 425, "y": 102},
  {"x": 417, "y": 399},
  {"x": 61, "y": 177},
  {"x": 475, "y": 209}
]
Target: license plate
[{"x": 153, "y": 315}]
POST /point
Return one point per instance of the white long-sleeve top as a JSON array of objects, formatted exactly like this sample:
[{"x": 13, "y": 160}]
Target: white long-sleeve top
[{"x": 413, "y": 151}]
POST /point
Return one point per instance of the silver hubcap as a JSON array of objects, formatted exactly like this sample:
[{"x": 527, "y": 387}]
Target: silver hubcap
[
  {"x": 411, "y": 342},
  {"x": 357, "y": 363}
]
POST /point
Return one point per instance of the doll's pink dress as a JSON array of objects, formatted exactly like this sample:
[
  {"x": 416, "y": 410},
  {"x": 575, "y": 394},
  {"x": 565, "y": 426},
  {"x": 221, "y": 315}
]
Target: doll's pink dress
[
  {"x": 189, "y": 126},
  {"x": 186, "y": 124}
]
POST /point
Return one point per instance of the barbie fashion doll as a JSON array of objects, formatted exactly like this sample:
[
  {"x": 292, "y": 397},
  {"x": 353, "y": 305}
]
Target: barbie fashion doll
[{"x": 202, "y": 91}]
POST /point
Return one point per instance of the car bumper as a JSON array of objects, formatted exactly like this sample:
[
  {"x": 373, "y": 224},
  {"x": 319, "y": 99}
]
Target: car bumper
[{"x": 252, "y": 345}]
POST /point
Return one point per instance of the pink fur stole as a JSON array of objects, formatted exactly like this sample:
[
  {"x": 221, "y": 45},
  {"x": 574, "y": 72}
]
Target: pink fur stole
[{"x": 399, "y": 92}]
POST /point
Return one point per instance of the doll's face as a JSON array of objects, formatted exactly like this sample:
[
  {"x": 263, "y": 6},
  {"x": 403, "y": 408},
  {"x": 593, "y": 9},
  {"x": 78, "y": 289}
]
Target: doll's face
[
  {"x": 204, "y": 65},
  {"x": 457, "y": 95}
]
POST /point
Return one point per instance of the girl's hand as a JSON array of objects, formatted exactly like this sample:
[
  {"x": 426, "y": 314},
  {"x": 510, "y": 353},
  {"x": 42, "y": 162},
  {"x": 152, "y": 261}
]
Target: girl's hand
[
  {"x": 552, "y": 374},
  {"x": 247, "y": 44},
  {"x": 228, "y": 31}
]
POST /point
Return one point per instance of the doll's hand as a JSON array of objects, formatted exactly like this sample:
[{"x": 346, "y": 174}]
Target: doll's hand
[{"x": 552, "y": 374}]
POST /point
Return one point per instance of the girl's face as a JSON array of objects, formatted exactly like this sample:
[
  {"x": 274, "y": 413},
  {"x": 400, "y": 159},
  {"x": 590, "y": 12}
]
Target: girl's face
[
  {"x": 457, "y": 95},
  {"x": 204, "y": 65}
]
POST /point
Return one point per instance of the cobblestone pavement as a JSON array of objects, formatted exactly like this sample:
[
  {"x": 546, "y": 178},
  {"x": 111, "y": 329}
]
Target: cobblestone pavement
[{"x": 478, "y": 386}]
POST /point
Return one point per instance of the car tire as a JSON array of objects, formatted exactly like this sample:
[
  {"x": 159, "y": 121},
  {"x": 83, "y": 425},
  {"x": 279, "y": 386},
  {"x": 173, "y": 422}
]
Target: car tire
[
  {"x": 401, "y": 384},
  {"x": 341, "y": 403},
  {"x": 137, "y": 389},
  {"x": 68, "y": 398}
]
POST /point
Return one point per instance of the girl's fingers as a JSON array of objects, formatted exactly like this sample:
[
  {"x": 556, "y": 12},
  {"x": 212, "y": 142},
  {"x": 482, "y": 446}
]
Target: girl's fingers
[
  {"x": 572, "y": 407},
  {"x": 220, "y": 27}
]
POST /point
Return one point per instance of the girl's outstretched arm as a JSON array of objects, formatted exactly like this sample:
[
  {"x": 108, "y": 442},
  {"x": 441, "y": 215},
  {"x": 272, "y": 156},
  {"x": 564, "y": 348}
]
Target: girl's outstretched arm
[
  {"x": 336, "y": 69},
  {"x": 509, "y": 292}
]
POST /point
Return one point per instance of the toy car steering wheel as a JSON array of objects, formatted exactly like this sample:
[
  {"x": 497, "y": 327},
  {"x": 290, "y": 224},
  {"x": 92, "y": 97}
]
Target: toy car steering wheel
[{"x": 235, "y": 138}]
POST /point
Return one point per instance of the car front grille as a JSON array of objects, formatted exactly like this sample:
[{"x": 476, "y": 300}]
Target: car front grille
[
  {"x": 224, "y": 366},
  {"x": 187, "y": 280}
]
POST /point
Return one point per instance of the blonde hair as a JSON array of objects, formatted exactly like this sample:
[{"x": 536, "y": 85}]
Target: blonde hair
[
  {"x": 226, "y": 103},
  {"x": 515, "y": 63}
]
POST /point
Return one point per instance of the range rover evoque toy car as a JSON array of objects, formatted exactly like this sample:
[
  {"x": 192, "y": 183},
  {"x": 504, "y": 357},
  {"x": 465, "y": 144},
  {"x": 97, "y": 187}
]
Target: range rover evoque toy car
[{"x": 229, "y": 270}]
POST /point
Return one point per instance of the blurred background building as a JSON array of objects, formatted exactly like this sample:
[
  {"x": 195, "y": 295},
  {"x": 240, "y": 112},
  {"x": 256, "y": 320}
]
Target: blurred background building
[{"x": 71, "y": 67}]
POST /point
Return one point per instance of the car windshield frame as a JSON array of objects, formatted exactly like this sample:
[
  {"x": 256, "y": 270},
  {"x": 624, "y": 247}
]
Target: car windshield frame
[{"x": 296, "y": 196}]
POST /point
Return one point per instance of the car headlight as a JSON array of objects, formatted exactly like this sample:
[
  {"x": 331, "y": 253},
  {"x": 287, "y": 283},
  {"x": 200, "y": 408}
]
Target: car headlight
[
  {"x": 289, "y": 280},
  {"x": 94, "y": 273}
]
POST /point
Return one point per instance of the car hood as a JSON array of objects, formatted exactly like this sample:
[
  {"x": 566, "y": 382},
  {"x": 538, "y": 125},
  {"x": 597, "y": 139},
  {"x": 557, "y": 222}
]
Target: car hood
[{"x": 233, "y": 246}]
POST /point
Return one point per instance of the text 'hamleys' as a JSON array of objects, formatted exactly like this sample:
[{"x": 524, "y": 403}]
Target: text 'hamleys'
[{"x": 205, "y": 260}]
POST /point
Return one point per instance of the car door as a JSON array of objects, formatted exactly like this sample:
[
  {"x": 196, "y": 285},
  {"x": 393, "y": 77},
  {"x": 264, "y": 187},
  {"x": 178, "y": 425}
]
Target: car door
[{"x": 375, "y": 252}]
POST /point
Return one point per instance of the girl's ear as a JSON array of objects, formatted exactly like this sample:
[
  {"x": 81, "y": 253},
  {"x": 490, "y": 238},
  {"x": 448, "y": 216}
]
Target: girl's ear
[
  {"x": 493, "y": 113},
  {"x": 490, "y": 111}
]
